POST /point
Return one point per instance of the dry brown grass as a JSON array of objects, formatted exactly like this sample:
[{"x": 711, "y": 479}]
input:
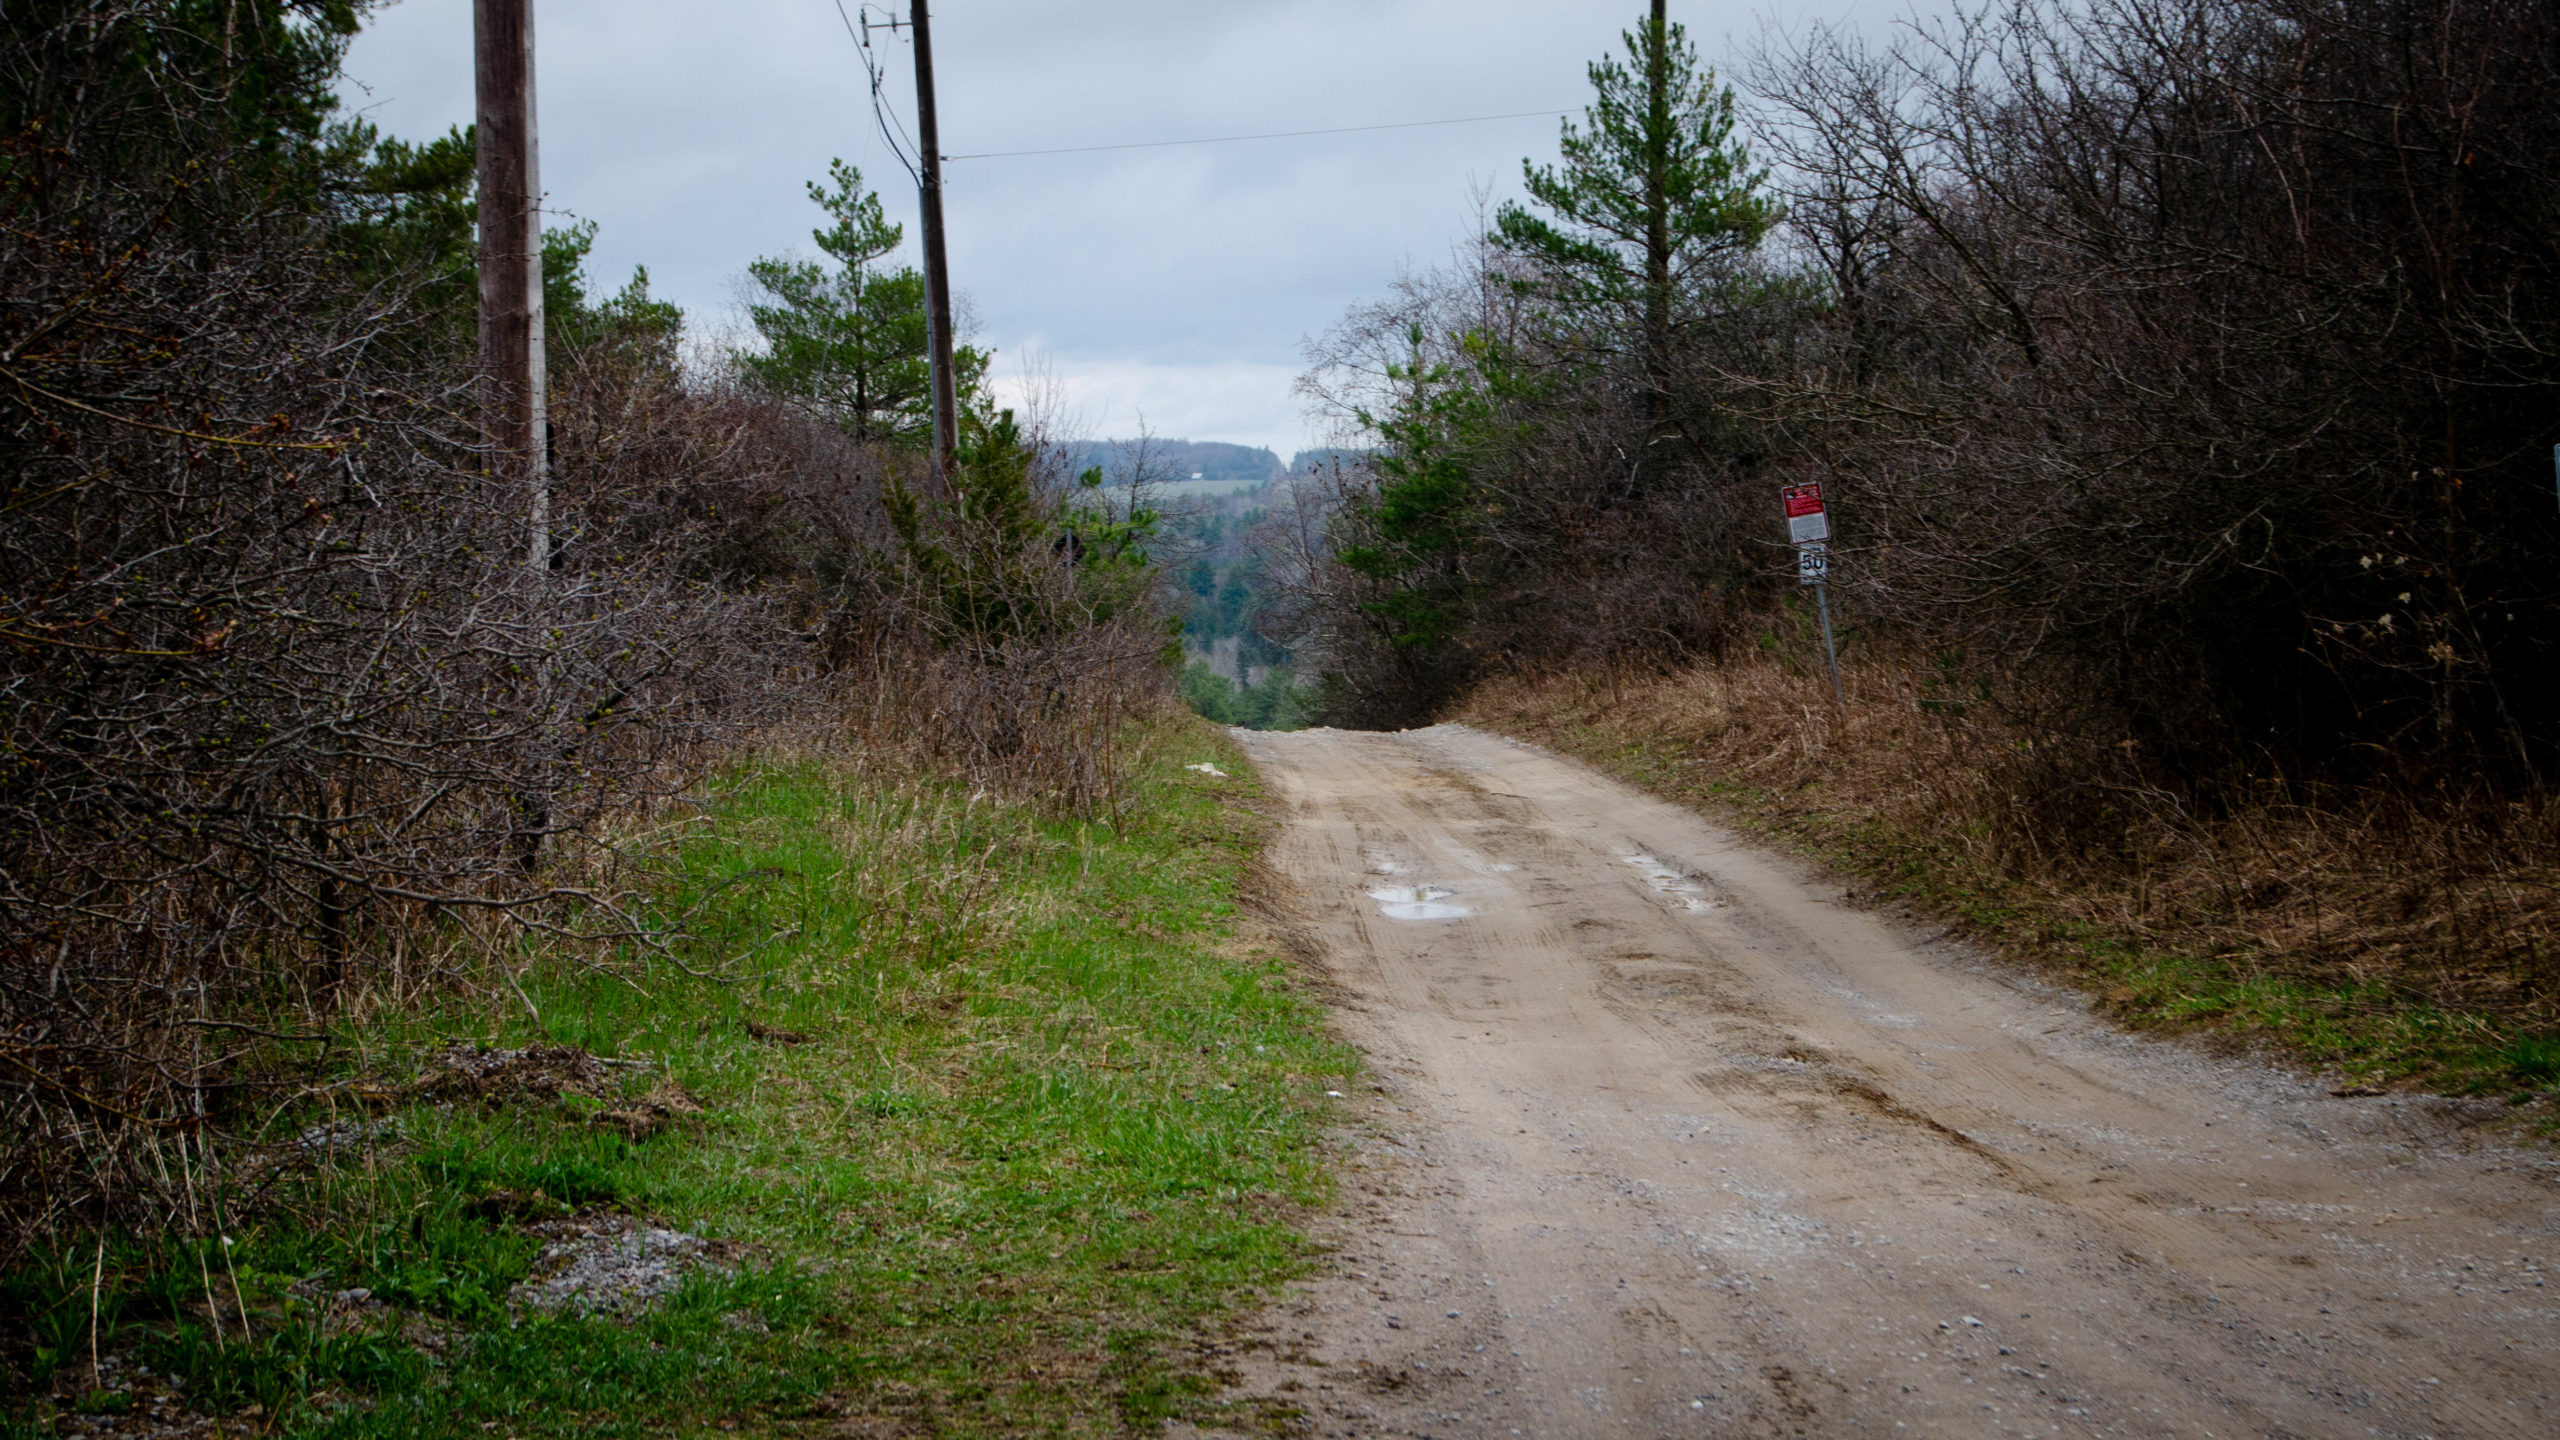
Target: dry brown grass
[
  {"x": 1052, "y": 723},
  {"x": 2393, "y": 931}
]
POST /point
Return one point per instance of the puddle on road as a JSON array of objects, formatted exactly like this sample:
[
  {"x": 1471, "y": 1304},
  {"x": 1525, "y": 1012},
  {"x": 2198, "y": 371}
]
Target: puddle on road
[
  {"x": 1669, "y": 881},
  {"x": 1417, "y": 902},
  {"x": 1406, "y": 900}
]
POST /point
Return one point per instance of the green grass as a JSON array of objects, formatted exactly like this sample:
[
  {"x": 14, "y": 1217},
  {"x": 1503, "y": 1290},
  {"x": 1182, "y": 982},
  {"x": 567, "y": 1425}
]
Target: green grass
[{"x": 1050, "y": 1119}]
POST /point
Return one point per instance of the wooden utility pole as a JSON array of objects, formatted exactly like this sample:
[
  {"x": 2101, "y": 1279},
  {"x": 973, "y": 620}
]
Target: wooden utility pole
[
  {"x": 937, "y": 265},
  {"x": 1659, "y": 146},
  {"x": 513, "y": 409}
]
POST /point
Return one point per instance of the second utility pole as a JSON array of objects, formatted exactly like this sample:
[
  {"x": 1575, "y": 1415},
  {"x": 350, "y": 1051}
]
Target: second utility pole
[
  {"x": 512, "y": 382},
  {"x": 937, "y": 264}
]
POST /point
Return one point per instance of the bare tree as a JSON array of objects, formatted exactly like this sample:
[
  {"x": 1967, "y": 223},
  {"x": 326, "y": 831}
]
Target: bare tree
[{"x": 2192, "y": 347}]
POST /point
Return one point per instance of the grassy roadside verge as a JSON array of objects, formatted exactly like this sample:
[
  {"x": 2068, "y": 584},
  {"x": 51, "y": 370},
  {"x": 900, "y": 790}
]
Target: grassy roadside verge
[
  {"x": 1871, "y": 796},
  {"x": 994, "y": 1112}
]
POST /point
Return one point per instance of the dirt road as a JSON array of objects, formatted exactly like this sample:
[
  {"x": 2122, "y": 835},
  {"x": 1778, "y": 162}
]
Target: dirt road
[{"x": 1669, "y": 1139}]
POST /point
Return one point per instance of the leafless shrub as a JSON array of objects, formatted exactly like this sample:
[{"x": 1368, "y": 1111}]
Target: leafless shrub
[
  {"x": 2191, "y": 355},
  {"x": 292, "y": 733},
  {"x": 284, "y": 716},
  {"x": 1022, "y": 623},
  {"x": 1046, "y": 720}
]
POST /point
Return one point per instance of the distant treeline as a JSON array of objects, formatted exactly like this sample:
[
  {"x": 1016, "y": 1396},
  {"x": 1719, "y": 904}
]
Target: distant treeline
[
  {"x": 1236, "y": 674},
  {"x": 1209, "y": 461},
  {"x": 1179, "y": 460}
]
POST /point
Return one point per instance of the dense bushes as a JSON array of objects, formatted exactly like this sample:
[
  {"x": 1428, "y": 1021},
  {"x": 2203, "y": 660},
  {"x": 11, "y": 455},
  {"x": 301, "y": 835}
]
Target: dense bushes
[
  {"x": 2199, "y": 353},
  {"x": 289, "y": 731},
  {"x": 282, "y": 705},
  {"x": 2182, "y": 372}
]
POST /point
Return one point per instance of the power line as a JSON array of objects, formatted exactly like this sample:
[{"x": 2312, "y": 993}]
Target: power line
[
  {"x": 881, "y": 115},
  {"x": 1272, "y": 135},
  {"x": 863, "y": 153}
]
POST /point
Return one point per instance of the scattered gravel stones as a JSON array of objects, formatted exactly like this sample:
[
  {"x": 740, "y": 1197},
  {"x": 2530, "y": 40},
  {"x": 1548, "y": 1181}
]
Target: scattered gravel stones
[
  {"x": 349, "y": 1135},
  {"x": 614, "y": 1265},
  {"x": 555, "y": 1073},
  {"x": 152, "y": 1408},
  {"x": 544, "y": 1071}
]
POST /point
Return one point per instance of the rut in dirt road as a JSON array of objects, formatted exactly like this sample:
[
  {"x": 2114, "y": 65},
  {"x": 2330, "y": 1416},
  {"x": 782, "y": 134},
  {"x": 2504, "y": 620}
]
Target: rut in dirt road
[{"x": 1673, "y": 1142}]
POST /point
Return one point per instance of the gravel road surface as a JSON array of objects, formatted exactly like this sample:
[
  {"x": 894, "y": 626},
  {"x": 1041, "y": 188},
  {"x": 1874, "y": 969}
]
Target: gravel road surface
[{"x": 1668, "y": 1138}]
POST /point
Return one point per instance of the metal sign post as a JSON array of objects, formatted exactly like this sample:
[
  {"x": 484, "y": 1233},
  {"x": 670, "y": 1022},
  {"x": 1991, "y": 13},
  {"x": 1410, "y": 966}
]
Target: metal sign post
[{"x": 1809, "y": 530}]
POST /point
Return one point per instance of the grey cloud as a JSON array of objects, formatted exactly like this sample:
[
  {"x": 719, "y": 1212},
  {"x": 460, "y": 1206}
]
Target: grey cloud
[{"x": 687, "y": 131}]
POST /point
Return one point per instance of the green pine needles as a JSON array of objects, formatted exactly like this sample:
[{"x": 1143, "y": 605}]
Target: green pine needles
[
  {"x": 848, "y": 339},
  {"x": 1617, "y": 262},
  {"x": 1411, "y": 539},
  {"x": 998, "y": 560},
  {"x": 1654, "y": 196}
]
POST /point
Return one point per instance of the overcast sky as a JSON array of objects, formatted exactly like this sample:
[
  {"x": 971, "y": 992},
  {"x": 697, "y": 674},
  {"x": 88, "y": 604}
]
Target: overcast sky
[{"x": 1169, "y": 285}]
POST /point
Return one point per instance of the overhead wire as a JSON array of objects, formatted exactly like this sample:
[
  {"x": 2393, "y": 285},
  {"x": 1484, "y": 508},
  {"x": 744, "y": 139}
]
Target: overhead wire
[
  {"x": 1269, "y": 135},
  {"x": 865, "y": 144},
  {"x": 909, "y": 154},
  {"x": 881, "y": 114}
]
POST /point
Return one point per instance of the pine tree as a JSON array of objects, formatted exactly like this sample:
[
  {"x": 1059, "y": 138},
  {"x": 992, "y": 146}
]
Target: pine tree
[
  {"x": 849, "y": 340},
  {"x": 1654, "y": 194},
  {"x": 1412, "y": 538},
  {"x": 985, "y": 549},
  {"x": 407, "y": 213}
]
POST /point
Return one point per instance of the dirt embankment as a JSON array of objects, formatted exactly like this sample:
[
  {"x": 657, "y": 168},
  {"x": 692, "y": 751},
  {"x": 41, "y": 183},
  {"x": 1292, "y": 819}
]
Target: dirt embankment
[{"x": 1667, "y": 1137}]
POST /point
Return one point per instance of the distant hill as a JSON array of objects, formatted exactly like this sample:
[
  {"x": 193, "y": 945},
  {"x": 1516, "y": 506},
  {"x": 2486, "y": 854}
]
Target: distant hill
[{"x": 1212, "y": 462}]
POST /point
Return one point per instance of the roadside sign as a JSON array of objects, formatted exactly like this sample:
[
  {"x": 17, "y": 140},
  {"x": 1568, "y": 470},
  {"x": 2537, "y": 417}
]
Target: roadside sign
[
  {"x": 1809, "y": 530},
  {"x": 1807, "y": 522},
  {"x": 1813, "y": 564}
]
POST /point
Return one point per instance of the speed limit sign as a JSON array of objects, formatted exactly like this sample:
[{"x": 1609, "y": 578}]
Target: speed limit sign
[{"x": 1813, "y": 564}]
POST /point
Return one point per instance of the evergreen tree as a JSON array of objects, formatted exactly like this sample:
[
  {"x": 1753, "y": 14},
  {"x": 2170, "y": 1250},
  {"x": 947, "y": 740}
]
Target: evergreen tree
[
  {"x": 1411, "y": 538},
  {"x": 577, "y": 321},
  {"x": 984, "y": 550},
  {"x": 1653, "y": 195},
  {"x": 409, "y": 214},
  {"x": 848, "y": 339}
]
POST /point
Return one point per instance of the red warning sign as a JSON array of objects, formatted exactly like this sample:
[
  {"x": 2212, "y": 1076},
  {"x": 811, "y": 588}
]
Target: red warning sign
[{"x": 1807, "y": 523}]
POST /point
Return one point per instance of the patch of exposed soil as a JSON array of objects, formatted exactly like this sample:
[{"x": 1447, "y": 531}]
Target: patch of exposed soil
[{"x": 541, "y": 1072}]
